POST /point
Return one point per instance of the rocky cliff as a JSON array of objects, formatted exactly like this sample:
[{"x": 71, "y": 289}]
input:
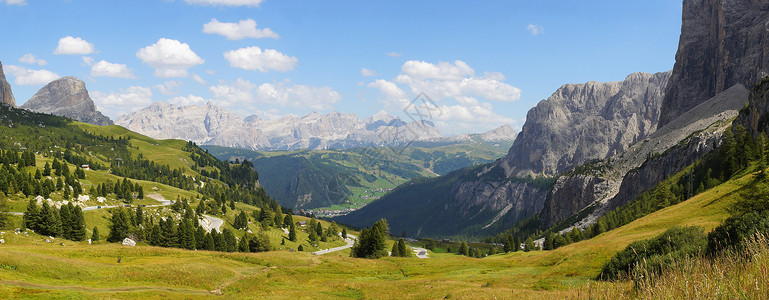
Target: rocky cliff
[
  {"x": 584, "y": 122},
  {"x": 67, "y": 97},
  {"x": 6, "y": 95},
  {"x": 722, "y": 43}
]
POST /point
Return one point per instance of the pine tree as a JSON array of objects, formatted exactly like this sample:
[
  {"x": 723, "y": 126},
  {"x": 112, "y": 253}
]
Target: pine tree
[
  {"x": 219, "y": 243},
  {"x": 313, "y": 237},
  {"x": 200, "y": 237},
  {"x": 529, "y": 245},
  {"x": 395, "y": 250},
  {"x": 464, "y": 249},
  {"x": 517, "y": 244},
  {"x": 229, "y": 240},
  {"x": 47, "y": 169},
  {"x": 288, "y": 220},
  {"x": 31, "y": 216},
  {"x": 208, "y": 242},
  {"x": 403, "y": 250},
  {"x": 243, "y": 244},
  {"x": 120, "y": 226},
  {"x": 344, "y": 233},
  {"x": 77, "y": 223},
  {"x": 292, "y": 232},
  {"x": 4, "y": 216},
  {"x": 95, "y": 237},
  {"x": 319, "y": 229},
  {"x": 139, "y": 215}
]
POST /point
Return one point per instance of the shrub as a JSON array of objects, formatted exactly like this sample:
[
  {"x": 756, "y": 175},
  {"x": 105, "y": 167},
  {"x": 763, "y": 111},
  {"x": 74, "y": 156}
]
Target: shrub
[
  {"x": 656, "y": 253},
  {"x": 736, "y": 230}
]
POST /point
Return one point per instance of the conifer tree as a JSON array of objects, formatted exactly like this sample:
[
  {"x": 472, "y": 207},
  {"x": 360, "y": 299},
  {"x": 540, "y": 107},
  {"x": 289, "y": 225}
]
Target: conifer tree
[
  {"x": 464, "y": 249},
  {"x": 119, "y": 227},
  {"x": 243, "y": 244},
  {"x": 47, "y": 169},
  {"x": 288, "y": 220},
  {"x": 208, "y": 242},
  {"x": 200, "y": 237},
  {"x": 395, "y": 251},
  {"x": 4, "y": 216},
  {"x": 292, "y": 232},
  {"x": 31, "y": 216},
  {"x": 229, "y": 240},
  {"x": 403, "y": 250},
  {"x": 77, "y": 223},
  {"x": 344, "y": 233},
  {"x": 95, "y": 237}
]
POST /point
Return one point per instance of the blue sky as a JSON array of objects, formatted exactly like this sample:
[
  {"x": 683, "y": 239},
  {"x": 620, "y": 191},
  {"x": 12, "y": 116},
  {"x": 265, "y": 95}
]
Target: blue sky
[{"x": 483, "y": 63}]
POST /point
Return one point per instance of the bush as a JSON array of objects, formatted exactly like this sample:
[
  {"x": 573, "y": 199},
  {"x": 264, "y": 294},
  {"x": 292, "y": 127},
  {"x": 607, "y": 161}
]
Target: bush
[
  {"x": 736, "y": 230},
  {"x": 657, "y": 253}
]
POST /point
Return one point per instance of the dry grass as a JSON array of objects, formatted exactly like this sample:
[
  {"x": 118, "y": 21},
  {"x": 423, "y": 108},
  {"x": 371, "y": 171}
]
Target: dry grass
[{"x": 733, "y": 275}]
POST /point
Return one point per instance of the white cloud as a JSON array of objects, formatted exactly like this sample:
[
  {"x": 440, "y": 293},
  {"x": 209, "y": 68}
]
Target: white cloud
[
  {"x": 15, "y": 2},
  {"x": 446, "y": 80},
  {"x": 393, "y": 54},
  {"x": 367, "y": 72},
  {"x": 535, "y": 29},
  {"x": 25, "y": 76},
  {"x": 252, "y": 3},
  {"x": 170, "y": 87},
  {"x": 73, "y": 45},
  {"x": 253, "y": 58},
  {"x": 238, "y": 31},
  {"x": 124, "y": 101},
  {"x": 170, "y": 58},
  {"x": 108, "y": 69},
  {"x": 457, "y": 95},
  {"x": 187, "y": 101},
  {"x": 89, "y": 61},
  {"x": 198, "y": 79},
  {"x": 31, "y": 59},
  {"x": 242, "y": 93}
]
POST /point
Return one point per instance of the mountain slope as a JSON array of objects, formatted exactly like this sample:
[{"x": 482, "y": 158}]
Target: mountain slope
[
  {"x": 67, "y": 97},
  {"x": 608, "y": 117}
]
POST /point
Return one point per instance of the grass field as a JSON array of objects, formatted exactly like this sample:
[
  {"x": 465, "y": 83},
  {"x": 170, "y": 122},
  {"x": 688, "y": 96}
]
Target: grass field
[{"x": 32, "y": 268}]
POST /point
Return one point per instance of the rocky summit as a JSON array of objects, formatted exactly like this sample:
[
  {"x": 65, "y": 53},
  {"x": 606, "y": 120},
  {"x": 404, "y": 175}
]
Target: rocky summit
[
  {"x": 67, "y": 97},
  {"x": 583, "y": 122},
  {"x": 6, "y": 95}
]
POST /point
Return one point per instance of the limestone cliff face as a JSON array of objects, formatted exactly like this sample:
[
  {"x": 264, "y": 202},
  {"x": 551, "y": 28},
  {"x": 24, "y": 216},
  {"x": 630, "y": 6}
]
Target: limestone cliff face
[
  {"x": 67, "y": 97},
  {"x": 722, "y": 43},
  {"x": 584, "y": 122},
  {"x": 6, "y": 95}
]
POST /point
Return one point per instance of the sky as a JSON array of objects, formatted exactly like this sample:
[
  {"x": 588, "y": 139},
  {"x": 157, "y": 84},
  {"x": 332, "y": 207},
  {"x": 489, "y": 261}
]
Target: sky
[{"x": 471, "y": 65}]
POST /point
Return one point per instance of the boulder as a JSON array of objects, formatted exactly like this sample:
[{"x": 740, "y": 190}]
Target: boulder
[{"x": 129, "y": 242}]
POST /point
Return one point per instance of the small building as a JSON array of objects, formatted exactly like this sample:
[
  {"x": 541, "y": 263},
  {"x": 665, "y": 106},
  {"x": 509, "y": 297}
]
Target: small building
[
  {"x": 86, "y": 167},
  {"x": 301, "y": 223}
]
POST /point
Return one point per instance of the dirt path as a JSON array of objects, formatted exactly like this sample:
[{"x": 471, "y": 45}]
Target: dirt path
[
  {"x": 78, "y": 288},
  {"x": 350, "y": 242}
]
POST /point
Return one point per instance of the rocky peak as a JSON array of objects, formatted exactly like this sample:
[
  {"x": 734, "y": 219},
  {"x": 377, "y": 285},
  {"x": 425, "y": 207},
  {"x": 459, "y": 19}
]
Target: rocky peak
[
  {"x": 67, "y": 97},
  {"x": 583, "y": 122},
  {"x": 722, "y": 43},
  {"x": 6, "y": 95}
]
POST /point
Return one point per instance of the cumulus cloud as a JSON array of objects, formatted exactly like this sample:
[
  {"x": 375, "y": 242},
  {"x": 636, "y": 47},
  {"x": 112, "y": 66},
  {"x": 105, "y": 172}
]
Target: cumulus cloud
[
  {"x": 73, "y": 45},
  {"x": 187, "y": 101},
  {"x": 454, "y": 95},
  {"x": 284, "y": 94},
  {"x": 25, "y": 76},
  {"x": 124, "y": 101},
  {"x": 367, "y": 72},
  {"x": 169, "y": 57},
  {"x": 198, "y": 79},
  {"x": 170, "y": 87},
  {"x": 535, "y": 29},
  {"x": 253, "y": 58},
  {"x": 252, "y": 3},
  {"x": 238, "y": 31},
  {"x": 33, "y": 60},
  {"x": 108, "y": 69}
]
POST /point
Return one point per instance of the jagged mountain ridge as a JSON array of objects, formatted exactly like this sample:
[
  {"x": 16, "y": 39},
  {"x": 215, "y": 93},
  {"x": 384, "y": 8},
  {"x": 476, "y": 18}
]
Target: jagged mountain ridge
[
  {"x": 6, "y": 94},
  {"x": 67, "y": 97},
  {"x": 211, "y": 125}
]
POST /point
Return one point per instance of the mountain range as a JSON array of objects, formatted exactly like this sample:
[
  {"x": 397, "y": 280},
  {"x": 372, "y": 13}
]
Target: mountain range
[{"x": 211, "y": 125}]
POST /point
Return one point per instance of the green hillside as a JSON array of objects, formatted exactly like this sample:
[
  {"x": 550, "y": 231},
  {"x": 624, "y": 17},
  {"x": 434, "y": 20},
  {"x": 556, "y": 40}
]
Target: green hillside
[{"x": 348, "y": 179}]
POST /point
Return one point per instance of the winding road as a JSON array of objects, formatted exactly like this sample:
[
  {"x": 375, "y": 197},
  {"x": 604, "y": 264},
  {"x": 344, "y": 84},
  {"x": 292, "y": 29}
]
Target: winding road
[
  {"x": 350, "y": 242},
  {"x": 211, "y": 222},
  {"x": 420, "y": 252}
]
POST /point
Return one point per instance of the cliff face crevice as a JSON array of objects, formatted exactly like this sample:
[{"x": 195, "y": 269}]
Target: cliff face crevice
[
  {"x": 722, "y": 43},
  {"x": 67, "y": 97}
]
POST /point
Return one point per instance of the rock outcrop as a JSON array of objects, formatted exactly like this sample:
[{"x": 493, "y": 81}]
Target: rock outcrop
[
  {"x": 722, "y": 43},
  {"x": 584, "y": 122},
  {"x": 67, "y": 97},
  {"x": 6, "y": 95}
]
